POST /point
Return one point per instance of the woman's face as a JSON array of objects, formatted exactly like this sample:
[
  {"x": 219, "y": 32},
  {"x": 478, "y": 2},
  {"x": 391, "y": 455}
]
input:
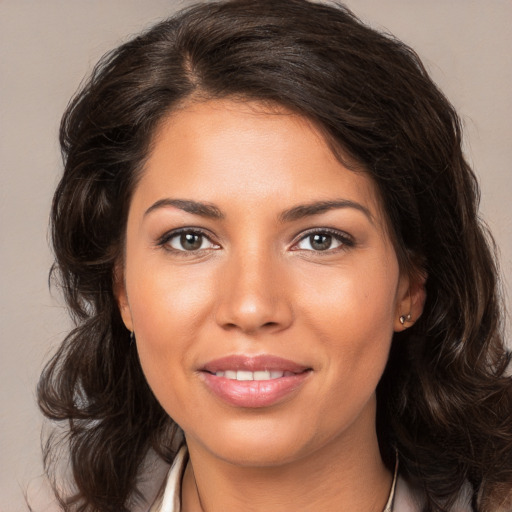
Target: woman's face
[{"x": 261, "y": 284}]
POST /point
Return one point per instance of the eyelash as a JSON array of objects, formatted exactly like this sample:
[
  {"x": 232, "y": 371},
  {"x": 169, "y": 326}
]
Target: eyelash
[
  {"x": 346, "y": 241},
  {"x": 164, "y": 240}
]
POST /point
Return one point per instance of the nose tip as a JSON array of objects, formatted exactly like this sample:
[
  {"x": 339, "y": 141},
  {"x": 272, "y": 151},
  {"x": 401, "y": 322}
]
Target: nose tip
[
  {"x": 253, "y": 300},
  {"x": 251, "y": 315}
]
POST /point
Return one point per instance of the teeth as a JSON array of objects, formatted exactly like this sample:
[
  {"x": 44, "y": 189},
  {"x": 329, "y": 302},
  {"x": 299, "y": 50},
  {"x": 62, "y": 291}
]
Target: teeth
[
  {"x": 258, "y": 375},
  {"x": 264, "y": 375}
]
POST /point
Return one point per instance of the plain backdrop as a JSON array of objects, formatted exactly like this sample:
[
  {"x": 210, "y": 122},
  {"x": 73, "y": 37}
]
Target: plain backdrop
[{"x": 47, "y": 47}]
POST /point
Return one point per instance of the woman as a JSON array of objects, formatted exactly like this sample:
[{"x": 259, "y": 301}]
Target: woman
[{"x": 268, "y": 237}]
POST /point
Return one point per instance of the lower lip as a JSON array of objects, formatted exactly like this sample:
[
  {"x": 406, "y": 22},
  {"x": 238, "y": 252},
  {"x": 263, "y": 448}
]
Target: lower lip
[{"x": 254, "y": 393}]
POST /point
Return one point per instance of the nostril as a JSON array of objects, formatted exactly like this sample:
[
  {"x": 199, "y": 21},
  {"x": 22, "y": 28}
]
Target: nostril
[
  {"x": 230, "y": 326},
  {"x": 250, "y": 312}
]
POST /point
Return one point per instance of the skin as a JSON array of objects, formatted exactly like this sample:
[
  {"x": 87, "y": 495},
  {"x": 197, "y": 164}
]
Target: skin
[{"x": 259, "y": 285}]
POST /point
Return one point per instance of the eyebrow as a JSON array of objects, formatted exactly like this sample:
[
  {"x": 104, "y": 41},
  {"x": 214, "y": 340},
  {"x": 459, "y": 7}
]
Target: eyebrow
[
  {"x": 318, "y": 207},
  {"x": 298, "y": 212},
  {"x": 195, "y": 207}
]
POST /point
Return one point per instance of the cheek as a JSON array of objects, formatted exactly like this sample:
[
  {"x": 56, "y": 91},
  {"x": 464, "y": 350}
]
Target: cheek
[
  {"x": 168, "y": 304},
  {"x": 352, "y": 312},
  {"x": 357, "y": 296},
  {"x": 169, "y": 309}
]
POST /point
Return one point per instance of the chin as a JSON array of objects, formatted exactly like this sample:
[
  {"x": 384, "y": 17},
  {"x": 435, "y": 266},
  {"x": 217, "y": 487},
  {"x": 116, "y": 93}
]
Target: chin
[{"x": 258, "y": 443}]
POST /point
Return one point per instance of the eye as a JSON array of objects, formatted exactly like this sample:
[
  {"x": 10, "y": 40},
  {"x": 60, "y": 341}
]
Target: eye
[
  {"x": 187, "y": 241},
  {"x": 324, "y": 240}
]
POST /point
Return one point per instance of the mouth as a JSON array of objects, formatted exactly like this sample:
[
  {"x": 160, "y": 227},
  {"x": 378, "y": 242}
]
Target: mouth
[
  {"x": 244, "y": 375},
  {"x": 260, "y": 367},
  {"x": 254, "y": 381}
]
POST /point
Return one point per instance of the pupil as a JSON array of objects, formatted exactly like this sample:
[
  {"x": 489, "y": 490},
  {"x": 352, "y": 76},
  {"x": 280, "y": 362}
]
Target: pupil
[
  {"x": 321, "y": 242},
  {"x": 190, "y": 241}
]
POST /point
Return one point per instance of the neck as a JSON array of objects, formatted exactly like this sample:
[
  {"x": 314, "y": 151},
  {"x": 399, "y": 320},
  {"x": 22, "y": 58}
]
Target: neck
[{"x": 345, "y": 474}]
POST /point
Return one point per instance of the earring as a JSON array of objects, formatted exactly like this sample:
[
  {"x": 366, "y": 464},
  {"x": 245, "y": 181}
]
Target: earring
[
  {"x": 405, "y": 318},
  {"x": 132, "y": 338}
]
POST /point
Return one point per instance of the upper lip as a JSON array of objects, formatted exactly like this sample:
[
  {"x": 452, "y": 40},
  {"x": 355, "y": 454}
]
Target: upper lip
[{"x": 253, "y": 363}]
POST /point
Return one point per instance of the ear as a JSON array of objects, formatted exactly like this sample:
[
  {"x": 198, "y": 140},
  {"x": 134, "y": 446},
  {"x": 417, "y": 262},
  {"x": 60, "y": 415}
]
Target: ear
[
  {"x": 121, "y": 296},
  {"x": 410, "y": 300}
]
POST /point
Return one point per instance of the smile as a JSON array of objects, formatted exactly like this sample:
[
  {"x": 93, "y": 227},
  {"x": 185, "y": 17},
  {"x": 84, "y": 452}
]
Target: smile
[
  {"x": 243, "y": 375},
  {"x": 254, "y": 381}
]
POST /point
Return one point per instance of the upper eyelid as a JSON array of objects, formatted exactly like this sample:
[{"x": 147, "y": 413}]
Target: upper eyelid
[
  {"x": 192, "y": 229},
  {"x": 187, "y": 229},
  {"x": 331, "y": 231}
]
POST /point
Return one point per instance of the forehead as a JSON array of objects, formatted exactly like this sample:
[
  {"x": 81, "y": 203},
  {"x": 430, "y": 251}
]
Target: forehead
[{"x": 227, "y": 151}]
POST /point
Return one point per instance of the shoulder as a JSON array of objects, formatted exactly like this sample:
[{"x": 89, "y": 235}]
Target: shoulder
[{"x": 409, "y": 498}]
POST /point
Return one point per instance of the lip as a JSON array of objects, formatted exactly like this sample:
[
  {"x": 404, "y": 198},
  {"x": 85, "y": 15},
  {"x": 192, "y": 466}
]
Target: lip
[
  {"x": 253, "y": 364},
  {"x": 254, "y": 393}
]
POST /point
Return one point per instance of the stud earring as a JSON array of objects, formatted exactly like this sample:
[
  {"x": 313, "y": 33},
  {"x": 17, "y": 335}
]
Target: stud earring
[{"x": 404, "y": 318}]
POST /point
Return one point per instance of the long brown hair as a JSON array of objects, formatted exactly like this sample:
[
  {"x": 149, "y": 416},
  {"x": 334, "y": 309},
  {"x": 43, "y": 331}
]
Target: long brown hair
[{"x": 445, "y": 400}]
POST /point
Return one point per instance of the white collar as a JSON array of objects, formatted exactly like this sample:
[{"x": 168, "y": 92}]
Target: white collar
[{"x": 169, "y": 498}]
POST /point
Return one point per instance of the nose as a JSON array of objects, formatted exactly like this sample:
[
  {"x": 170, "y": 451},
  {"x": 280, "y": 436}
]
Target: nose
[{"x": 254, "y": 297}]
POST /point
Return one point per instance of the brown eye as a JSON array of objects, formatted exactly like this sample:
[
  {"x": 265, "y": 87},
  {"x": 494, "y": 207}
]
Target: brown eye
[
  {"x": 188, "y": 241},
  {"x": 191, "y": 241},
  {"x": 324, "y": 240},
  {"x": 320, "y": 242}
]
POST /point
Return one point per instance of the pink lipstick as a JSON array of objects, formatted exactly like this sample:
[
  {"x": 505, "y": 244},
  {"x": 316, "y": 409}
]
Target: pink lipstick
[{"x": 253, "y": 381}]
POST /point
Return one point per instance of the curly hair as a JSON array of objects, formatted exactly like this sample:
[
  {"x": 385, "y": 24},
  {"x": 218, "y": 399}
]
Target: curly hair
[{"x": 445, "y": 399}]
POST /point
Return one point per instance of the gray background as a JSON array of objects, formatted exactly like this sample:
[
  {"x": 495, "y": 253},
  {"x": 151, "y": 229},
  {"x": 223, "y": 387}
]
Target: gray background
[{"x": 47, "y": 47}]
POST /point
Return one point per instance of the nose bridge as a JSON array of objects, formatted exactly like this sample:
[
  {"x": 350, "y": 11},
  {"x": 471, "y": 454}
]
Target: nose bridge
[{"x": 253, "y": 293}]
